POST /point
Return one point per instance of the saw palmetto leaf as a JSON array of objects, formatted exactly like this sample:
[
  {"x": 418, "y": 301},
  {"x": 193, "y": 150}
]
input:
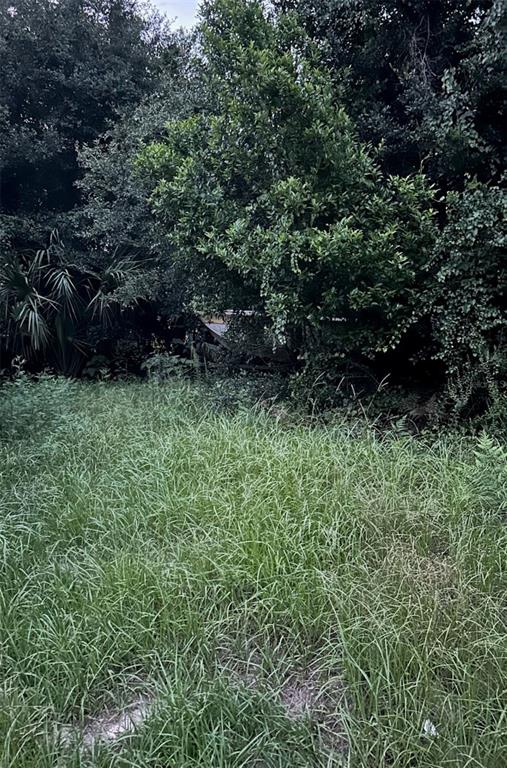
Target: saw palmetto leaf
[{"x": 47, "y": 300}]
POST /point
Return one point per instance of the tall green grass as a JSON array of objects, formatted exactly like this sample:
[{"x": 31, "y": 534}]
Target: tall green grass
[{"x": 223, "y": 564}]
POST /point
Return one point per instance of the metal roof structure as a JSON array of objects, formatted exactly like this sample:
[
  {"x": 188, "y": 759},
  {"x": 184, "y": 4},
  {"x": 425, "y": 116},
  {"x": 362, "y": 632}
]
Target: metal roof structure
[{"x": 217, "y": 329}]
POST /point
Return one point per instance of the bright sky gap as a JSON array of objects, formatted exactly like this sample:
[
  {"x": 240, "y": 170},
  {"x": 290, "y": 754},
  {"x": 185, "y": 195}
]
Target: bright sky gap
[{"x": 183, "y": 12}]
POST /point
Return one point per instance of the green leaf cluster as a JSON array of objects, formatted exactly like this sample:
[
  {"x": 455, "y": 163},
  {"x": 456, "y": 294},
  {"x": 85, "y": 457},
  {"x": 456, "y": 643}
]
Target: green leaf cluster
[{"x": 268, "y": 196}]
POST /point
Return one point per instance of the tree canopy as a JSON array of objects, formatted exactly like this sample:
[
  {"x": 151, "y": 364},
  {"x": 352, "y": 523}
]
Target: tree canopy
[
  {"x": 422, "y": 79},
  {"x": 271, "y": 201},
  {"x": 68, "y": 69}
]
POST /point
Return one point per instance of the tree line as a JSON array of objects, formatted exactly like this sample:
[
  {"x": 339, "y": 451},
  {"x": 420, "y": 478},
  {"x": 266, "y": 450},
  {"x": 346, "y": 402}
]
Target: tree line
[{"x": 335, "y": 168}]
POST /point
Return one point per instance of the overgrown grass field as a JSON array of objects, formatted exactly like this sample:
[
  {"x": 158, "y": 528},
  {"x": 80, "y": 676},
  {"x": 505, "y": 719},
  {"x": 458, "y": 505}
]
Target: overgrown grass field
[{"x": 275, "y": 594}]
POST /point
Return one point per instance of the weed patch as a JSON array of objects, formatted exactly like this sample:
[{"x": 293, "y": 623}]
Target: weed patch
[{"x": 290, "y": 596}]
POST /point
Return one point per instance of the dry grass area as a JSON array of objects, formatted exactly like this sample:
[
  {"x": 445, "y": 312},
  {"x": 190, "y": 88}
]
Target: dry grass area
[{"x": 183, "y": 588}]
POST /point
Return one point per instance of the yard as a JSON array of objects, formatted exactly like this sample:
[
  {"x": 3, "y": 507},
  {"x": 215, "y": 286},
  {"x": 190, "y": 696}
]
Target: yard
[{"x": 186, "y": 587}]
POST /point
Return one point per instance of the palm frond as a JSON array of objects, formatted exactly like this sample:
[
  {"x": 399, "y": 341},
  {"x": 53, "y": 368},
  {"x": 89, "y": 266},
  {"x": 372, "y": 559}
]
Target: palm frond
[
  {"x": 65, "y": 290},
  {"x": 119, "y": 272},
  {"x": 101, "y": 306},
  {"x": 31, "y": 321}
]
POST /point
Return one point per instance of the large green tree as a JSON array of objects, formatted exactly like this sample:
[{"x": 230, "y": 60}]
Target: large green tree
[
  {"x": 70, "y": 70},
  {"x": 67, "y": 67},
  {"x": 422, "y": 79},
  {"x": 116, "y": 214},
  {"x": 270, "y": 201}
]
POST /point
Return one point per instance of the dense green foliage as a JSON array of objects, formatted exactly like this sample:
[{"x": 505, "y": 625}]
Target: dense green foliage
[
  {"x": 468, "y": 291},
  {"x": 51, "y": 302},
  {"x": 422, "y": 79},
  {"x": 424, "y": 84},
  {"x": 269, "y": 198},
  {"x": 69, "y": 68},
  {"x": 336, "y": 167},
  {"x": 116, "y": 210},
  {"x": 277, "y": 593}
]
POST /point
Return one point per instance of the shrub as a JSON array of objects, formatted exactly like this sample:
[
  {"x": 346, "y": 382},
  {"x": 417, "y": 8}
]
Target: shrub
[
  {"x": 466, "y": 300},
  {"x": 270, "y": 202}
]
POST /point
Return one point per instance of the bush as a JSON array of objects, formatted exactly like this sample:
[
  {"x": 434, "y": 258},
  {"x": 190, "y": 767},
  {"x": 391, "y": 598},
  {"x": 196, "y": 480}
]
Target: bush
[
  {"x": 466, "y": 299},
  {"x": 293, "y": 218}
]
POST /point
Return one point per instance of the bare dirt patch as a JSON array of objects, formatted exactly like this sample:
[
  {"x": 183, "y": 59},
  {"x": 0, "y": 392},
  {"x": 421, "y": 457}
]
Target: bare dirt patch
[
  {"x": 305, "y": 690},
  {"x": 110, "y": 725}
]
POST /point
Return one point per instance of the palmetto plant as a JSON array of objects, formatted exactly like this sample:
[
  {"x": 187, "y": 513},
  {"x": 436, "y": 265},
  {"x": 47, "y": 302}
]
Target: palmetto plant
[{"x": 47, "y": 300}]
